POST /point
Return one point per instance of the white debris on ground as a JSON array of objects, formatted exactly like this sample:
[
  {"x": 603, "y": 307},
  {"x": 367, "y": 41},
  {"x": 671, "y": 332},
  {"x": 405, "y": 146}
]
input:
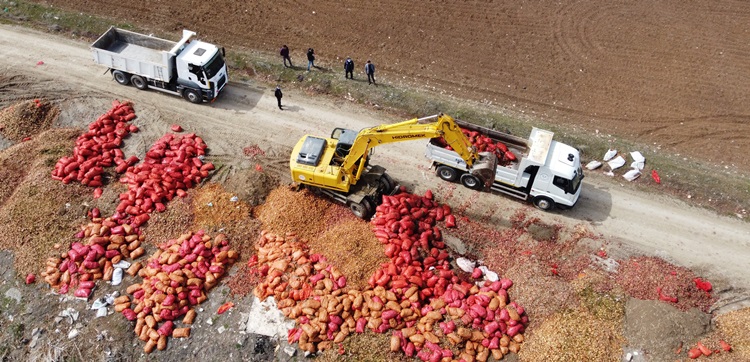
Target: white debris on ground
[
  {"x": 593, "y": 165},
  {"x": 638, "y": 160},
  {"x": 616, "y": 163},
  {"x": 489, "y": 274},
  {"x": 465, "y": 264},
  {"x": 632, "y": 174},
  {"x": 266, "y": 319},
  {"x": 609, "y": 155}
]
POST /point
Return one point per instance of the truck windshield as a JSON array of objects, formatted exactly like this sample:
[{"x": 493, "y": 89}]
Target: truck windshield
[
  {"x": 575, "y": 183},
  {"x": 569, "y": 186},
  {"x": 214, "y": 66}
]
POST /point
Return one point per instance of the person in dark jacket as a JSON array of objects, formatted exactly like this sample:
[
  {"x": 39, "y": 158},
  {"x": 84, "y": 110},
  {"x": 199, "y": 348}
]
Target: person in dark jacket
[
  {"x": 278, "y": 95},
  {"x": 349, "y": 68},
  {"x": 285, "y": 55},
  {"x": 310, "y": 58},
  {"x": 370, "y": 71}
]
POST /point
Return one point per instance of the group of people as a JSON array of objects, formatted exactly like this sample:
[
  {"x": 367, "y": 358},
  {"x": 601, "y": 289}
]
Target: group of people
[
  {"x": 369, "y": 70},
  {"x": 348, "y": 68}
]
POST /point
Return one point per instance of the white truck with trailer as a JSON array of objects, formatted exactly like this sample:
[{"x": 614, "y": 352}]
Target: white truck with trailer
[
  {"x": 189, "y": 68},
  {"x": 546, "y": 172}
]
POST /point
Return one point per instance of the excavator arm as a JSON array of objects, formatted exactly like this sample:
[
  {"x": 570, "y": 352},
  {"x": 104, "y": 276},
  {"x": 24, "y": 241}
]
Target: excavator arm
[{"x": 413, "y": 129}]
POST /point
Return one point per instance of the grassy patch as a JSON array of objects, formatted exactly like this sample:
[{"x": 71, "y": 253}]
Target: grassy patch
[{"x": 57, "y": 20}]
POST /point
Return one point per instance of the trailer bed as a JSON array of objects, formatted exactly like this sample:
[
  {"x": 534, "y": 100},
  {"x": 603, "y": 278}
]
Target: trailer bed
[{"x": 134, "y": 53}]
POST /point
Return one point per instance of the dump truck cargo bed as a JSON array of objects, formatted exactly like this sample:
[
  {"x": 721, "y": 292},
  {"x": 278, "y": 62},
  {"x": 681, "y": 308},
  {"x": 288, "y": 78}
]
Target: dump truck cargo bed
[{"x": 134, "y": 53}]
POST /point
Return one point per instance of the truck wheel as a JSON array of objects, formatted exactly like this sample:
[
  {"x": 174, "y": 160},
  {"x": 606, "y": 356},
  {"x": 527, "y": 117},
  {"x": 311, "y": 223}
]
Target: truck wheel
[
  {"x": 543, "y": 203},
  {"x": 192, "y": 96},
  {"x": 447, "y": 173},
  {"x": 139, "y": 82},
  {"x": 121, "y": 77},
  {"x": 362, "y": 210},
  {"x": 471, "y": 182}
]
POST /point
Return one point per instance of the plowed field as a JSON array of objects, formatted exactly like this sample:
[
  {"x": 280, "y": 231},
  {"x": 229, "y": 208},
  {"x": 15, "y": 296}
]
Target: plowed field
[{"x": 671, "y": 73}]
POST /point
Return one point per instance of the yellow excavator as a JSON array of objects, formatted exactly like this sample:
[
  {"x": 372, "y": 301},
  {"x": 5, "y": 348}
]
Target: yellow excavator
[{"x": 339, "y": 166}]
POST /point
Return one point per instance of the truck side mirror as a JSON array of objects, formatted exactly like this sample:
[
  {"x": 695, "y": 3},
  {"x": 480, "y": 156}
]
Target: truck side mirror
[{"x": 223, "y": 53}]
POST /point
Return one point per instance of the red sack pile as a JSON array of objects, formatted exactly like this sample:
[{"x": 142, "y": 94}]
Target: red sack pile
[
  {"x": 99, "y": 147},
  {"x": 172, "y": 165}
]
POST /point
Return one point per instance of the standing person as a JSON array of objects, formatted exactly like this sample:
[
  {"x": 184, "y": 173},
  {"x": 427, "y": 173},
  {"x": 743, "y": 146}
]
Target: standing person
[
  {"x": 310, "y": 58},
  {"x": 285, "y": 55},
  {"x": 370, "y": 71},
  {"x": 349, "y": 68},
  {"x": 278, "y": 95}
]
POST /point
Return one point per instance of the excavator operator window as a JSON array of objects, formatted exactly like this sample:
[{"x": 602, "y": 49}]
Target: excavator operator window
[{"x": 345, "y": 139}]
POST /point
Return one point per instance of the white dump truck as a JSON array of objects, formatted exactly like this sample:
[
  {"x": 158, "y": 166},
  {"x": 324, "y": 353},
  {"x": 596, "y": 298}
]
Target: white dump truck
[
  {"x": 546, "y": 172},
  {"x": 189, "y": 68}
]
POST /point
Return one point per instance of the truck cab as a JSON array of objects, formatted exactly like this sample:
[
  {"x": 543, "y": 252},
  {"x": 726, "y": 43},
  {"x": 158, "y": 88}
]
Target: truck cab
[
  {"x": 200, "y": 65},
  {"x": 558, "y": 180}
]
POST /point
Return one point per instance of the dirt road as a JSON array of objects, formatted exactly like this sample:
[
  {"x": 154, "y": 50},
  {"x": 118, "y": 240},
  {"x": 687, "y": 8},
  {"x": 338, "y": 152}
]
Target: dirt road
[{"x": 246, "y": 114}]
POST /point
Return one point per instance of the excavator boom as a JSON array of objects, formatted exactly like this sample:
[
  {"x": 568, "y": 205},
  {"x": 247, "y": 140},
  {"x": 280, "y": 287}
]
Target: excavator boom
[{"x": 339, "y": 165}]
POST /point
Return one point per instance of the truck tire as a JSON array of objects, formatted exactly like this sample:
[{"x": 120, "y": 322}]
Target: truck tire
[
  {"x": 121, "y": 77},
  {"x": 362, "y": 210},
  {"x": 139, "y": 82},
  {"x": 447, "y": 173},
  {"x": 471, "y": 182},
  {"x": 192, "y": 95},
  {"x": 543, "y": 203}
]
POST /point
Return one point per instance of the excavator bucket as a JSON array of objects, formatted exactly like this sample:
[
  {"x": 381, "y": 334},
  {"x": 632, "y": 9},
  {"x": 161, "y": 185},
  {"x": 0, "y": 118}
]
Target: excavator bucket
[{"x": 484, "y": 168}]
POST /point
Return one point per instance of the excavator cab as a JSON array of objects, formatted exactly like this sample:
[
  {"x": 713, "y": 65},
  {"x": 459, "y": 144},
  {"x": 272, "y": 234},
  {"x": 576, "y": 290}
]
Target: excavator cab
[{"x": 345, "y": 139}]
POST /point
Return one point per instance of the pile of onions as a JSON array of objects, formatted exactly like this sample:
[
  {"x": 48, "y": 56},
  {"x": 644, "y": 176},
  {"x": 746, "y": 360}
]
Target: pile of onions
[
  {"x": 98, "y": 148},
  {"x": 172, "y": 165},
  {"x": 104, "y": 242},
  {"x": 175, "y": 279},
  {"x": 434, "y": 314}
]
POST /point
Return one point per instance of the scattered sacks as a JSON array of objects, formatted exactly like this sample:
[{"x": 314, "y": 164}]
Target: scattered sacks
[
  {"x": 172, "y": 165},
  {"x": 175, "y": 279},
  {"x": 105, "y": 242},
  {"x": 484, "y": 143},
  {"x": 432, "y": 312},
  {"x": 448, "y": 312},
  {"x": 98, "y": 148}
]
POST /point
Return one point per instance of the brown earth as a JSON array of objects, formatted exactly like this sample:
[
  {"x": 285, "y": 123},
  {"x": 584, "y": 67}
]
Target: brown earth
[
  {"x": 607, "y": 208},
  {"x": 674, "y": 74}
]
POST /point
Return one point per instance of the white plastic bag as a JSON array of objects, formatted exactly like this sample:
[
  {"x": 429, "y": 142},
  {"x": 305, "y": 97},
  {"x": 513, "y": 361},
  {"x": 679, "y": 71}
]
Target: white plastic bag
[
  {"x": 609, "y": 155},
  {"x": 117, "y": 276},
  {"x": 593, "y": 165},
  {"x": 616, "y": 163},
  {"x": 632, "y": 174},
  {"x": 466, "y": 264},
  {"x": 489, "y": 274}
]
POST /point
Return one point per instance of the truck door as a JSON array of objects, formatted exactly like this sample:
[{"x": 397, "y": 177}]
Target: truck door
[{"x": 197, "y": 75}]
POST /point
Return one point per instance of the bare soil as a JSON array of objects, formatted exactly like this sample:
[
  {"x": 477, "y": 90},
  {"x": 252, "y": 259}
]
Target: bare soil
[
  {"x": 581, "y": 82},
  {"x": 671, "y": 74}
]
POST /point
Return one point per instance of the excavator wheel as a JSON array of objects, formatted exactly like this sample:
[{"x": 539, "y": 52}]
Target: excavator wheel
[
  {"x": 362, "y": 210},
  {"x": 386, "y": 183},
  {"x": 471, "y": 182}
]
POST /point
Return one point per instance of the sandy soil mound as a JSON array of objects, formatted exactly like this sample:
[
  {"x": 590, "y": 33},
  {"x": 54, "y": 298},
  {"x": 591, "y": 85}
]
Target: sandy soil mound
[
  {"x": 660, "y": 329},
  {"x": 27, "y": 119},
  {"x": 38, "y": 212}
]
